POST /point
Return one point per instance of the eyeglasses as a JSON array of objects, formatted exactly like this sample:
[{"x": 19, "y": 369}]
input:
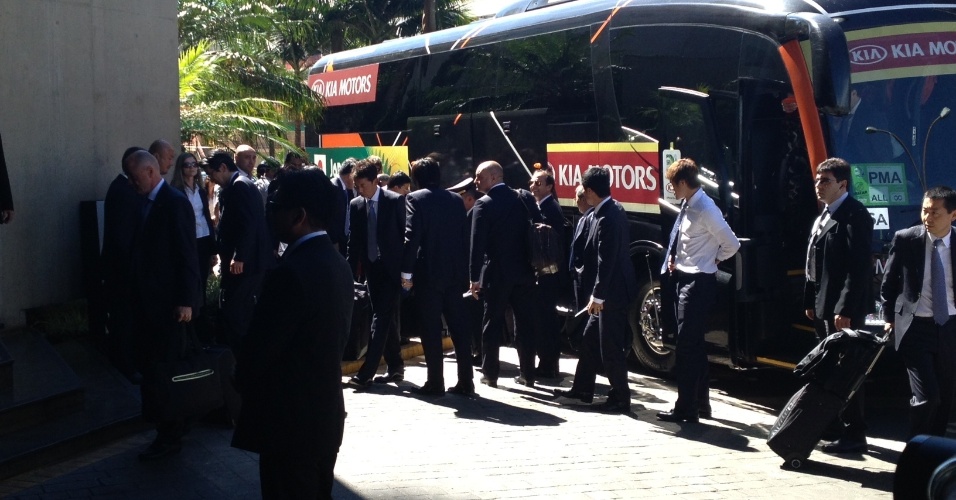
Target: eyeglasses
[
  {"x": 189, "y": 164},
  {"x": 535, "y": 183}
]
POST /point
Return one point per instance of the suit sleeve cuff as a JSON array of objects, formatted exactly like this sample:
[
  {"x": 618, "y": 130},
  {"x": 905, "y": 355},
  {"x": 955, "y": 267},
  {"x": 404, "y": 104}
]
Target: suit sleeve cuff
[
  {"x": 597, "y": 300},
  {"x": 406, "y": 276}
]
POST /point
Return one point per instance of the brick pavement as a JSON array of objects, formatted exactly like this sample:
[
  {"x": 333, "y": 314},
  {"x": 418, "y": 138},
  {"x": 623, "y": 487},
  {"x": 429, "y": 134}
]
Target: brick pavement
[{"x": 509, "y": 442}]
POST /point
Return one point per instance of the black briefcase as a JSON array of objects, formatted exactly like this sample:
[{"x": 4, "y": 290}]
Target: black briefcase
[
  {"x": 189, "y": 385},
  {"x": 361, "y": 329}
]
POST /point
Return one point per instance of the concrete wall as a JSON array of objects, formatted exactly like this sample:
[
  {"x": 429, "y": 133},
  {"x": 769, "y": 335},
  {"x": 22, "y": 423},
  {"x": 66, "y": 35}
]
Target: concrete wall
[{"x": 80, "y": 81}]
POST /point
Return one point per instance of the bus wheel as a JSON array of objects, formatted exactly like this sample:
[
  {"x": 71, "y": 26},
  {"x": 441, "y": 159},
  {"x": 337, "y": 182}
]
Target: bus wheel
[{"x": 645, "y": 323}]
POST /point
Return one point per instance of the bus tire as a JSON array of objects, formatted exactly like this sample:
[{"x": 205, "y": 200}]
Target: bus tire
[{"x": 646, "y": 342}]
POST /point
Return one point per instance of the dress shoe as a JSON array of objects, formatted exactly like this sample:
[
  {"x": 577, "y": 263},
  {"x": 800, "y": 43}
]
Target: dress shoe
[
  {"x": 522, "y": 380},
  {"x": 673, "y": 416},
  {"x": 390, "y": 377},
  {"x": 360, "y": 384},
  {"x": 490, "y": 382},
  {"x": 159, "y": 450},
  {"x": 463, "y": 389},
  {"x": 611, "y": 406},
  {"x": 572, "y": 394},
  {"x": 845, "y": 445},
  {"x": 430, "y": 389},
  {"x": 541, "y": 372}
]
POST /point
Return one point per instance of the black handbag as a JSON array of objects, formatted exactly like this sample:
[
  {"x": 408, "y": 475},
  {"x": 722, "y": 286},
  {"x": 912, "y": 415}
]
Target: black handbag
[
  {"x": 189, "y": 385},
  {"x": 545, "y": 248}
]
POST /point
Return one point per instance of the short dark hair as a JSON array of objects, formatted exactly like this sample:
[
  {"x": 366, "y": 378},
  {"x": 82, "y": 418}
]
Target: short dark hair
[
  {"x": 399, "y": 179},
  {"x": 365, "y": 169},
  {"x": 376, "y": 162},
  {"x": 942, "y": 193},
  {"x": 839, "y": 167},
  {"x": 291, "y": 155},
  {"x": 126, "y": 154},
  {"x": 426, "y": 172},
  {"x": 309, "y": 189},
  {"x": 685, "y": 170},
  {"x": 347, "y": 166},
  {"x": 598, "y": 180},
  {"x": 222, "y": 157}
]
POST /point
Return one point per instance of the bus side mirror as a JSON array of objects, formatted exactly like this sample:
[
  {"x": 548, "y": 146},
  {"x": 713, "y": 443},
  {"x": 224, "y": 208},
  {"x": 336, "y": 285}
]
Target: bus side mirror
[{"x": 829, "y": 60}]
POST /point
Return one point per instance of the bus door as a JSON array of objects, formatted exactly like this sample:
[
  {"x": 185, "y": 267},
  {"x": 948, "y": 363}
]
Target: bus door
[
  {"x": 515, "y": 139},
  {"x": 689, "y": 129},
  {"x": 776, "y": 212}
]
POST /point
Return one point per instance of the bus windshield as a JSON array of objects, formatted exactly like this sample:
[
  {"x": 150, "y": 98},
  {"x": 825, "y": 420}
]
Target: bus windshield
[{"x": 893, "y": 136}]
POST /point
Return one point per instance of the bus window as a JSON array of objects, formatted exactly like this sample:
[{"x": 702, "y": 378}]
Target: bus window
[{"x": 459, "y": 81}]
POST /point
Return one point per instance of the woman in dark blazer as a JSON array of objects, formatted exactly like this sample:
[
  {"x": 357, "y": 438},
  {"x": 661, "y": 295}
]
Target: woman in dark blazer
[{"x": 187, "y": 178}]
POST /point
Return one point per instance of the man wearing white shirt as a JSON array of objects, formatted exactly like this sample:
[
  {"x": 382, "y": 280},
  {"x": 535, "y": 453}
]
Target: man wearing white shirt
[{"x": 700, "y": 240}]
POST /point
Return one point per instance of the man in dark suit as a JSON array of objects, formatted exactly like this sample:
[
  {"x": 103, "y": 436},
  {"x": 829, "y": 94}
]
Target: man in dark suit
[
  {"x": 549, "y": 285},
  {"x": 839, "y": 273},
  {"x": 434, "y": 262},
  {"x": 473, "y": 309},
  {"x": 500, "y": 268},
  {"x": 121, "y": 219},
  {"x": 377, "y": 221},
  {"x": 165, "y": 287},
  {"x": 917, "y": 291},
  {"x": 6, "y": 198},
  {"x": 289, "y": 367},
  {"x": 245, "y": 249},
  {"x": 609, "y": 277},
  {"x": 339, "y": 229}
]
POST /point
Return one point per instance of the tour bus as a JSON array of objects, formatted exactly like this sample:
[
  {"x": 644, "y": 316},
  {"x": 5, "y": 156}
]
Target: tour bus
[{"x": 757, "y": 92}]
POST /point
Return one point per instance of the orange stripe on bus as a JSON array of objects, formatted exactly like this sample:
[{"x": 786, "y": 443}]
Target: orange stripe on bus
[
  {"x": 405, "y": 142},
  {"x": 378, "y": 138},
  {"x": 457, "y": 118},
  {"x": 342, "y": 141},
  {"x": 803, "y": 91},
  {"x": 608, "y": 20}
]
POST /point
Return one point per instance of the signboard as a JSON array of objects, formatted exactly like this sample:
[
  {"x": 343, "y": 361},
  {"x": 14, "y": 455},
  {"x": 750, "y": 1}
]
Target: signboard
[
  {"x": 346, "y": 86},
  {"x": 881, "y": 218},
  {"x": 394, "y": 158},
  {"x": 880, "y": 184},
  {"x": 902, "y": 51},
  {"x": 634, "y": 169}
]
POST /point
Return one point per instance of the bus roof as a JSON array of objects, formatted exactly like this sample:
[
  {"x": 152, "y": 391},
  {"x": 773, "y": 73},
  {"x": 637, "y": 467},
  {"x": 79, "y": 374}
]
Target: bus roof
[{"x": 761, "y": 16}]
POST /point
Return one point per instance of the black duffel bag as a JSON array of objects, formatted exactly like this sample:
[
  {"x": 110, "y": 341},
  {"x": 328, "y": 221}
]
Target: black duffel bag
[{"x": 545, "y": 248}]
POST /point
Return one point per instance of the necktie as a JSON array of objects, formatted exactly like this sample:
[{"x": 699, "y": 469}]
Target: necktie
[
  {"x": 675, "y": 233},
  {"x": 146, "y": 207},
  {"x": 372, "y": 233},
  {"x": 938, "y": 284},
  {"x": 811, "y": 270}
]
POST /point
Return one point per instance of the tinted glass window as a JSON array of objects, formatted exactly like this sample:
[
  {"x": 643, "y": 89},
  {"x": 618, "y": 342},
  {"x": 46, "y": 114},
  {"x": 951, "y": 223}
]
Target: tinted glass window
[{"x": 394, "y": 101}]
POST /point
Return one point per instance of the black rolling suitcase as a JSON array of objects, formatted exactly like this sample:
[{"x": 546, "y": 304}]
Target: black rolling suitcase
[
  {"x": 361, "y": 329},
  {"x": 834, "y": 371},
  {"x": 225, "y": 363}
]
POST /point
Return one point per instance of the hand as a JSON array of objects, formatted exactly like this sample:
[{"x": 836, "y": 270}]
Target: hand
[
  {"x": 184, "y": 314},
  {"x": 6, "y": 216},
  {"x": 887, "y": 327},
  {"x": 235, "y": 267},
  {"x": 406, "y": 284},
  {"x": 474, "y": 289},
  {"x": 810, "y": 315},
  {"x": 594, "y": 308},
  {"x": 670, "y": 264},
  {"x": 841, "y": 322}
]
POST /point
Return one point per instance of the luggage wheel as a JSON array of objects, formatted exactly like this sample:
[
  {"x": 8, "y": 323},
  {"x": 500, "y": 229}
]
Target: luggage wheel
[{"x": 795, "y": 462}]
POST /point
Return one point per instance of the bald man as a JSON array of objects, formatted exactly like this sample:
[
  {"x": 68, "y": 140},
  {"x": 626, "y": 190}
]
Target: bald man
[
  {"x": 164, "y": 153},
  {"x": 500, "y": 270},
  {"x": 165, "y": 289},
  {"x": 246, "y": 159}
]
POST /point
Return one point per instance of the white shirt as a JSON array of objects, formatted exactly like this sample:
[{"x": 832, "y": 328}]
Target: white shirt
[
  {"x": 924, "y": 307},
  {"x": 202, "y": 229},
  {"x": 705, "y": 237}
]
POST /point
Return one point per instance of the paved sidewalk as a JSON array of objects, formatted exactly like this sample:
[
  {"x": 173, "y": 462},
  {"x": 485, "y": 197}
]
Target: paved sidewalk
[{"x": 509, "y": 442}]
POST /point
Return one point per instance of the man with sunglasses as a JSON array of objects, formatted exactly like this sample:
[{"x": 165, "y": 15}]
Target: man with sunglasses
[{"x": 839, "y": 275}]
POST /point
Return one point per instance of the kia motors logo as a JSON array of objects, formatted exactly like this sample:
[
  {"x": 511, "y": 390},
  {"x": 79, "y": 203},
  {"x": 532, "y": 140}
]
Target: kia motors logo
[
  {"x": 868, "y": 54},
  {"x": 319, "y": 87}
]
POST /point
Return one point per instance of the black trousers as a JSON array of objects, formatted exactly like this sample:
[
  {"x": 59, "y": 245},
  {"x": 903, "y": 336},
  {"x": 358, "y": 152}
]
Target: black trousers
[
  {"x": 432, "y": 304},
  {"x": 549, "y": 331},
  {"x": 238, "y": 300},
  {"x": 929, "y": 354},
  {"x": 524, "y": 302},
  {"x": 604, "y": 344},
  {"x": 287, "y": 478},
  {"x": 854, "y": 424},
  {"x": 695, "y": 295},
  {"x": 385, "y": 295}
]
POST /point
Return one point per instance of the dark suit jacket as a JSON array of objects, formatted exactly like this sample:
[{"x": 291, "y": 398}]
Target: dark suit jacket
[
  {"x": 608, "y": 272},
  {"x": 580, "y": 238},
  {"x": 337, "y": 225},
  {"x": 165, "y": 266},
  {"x": 390, "y": 231},
  {"x": 6, "y": 199},
  {"x": 289, "y": 365},
  {"x": 903, "y": 277},
  {"x": 499, "y": 237},
  {"x": 122, "y": 209},
  {"x": 204, "y": 198},
  {"x": 243, "y": 234},
  {"x": 844, "y": 266},
  {"x": 436, "y": 244}
]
